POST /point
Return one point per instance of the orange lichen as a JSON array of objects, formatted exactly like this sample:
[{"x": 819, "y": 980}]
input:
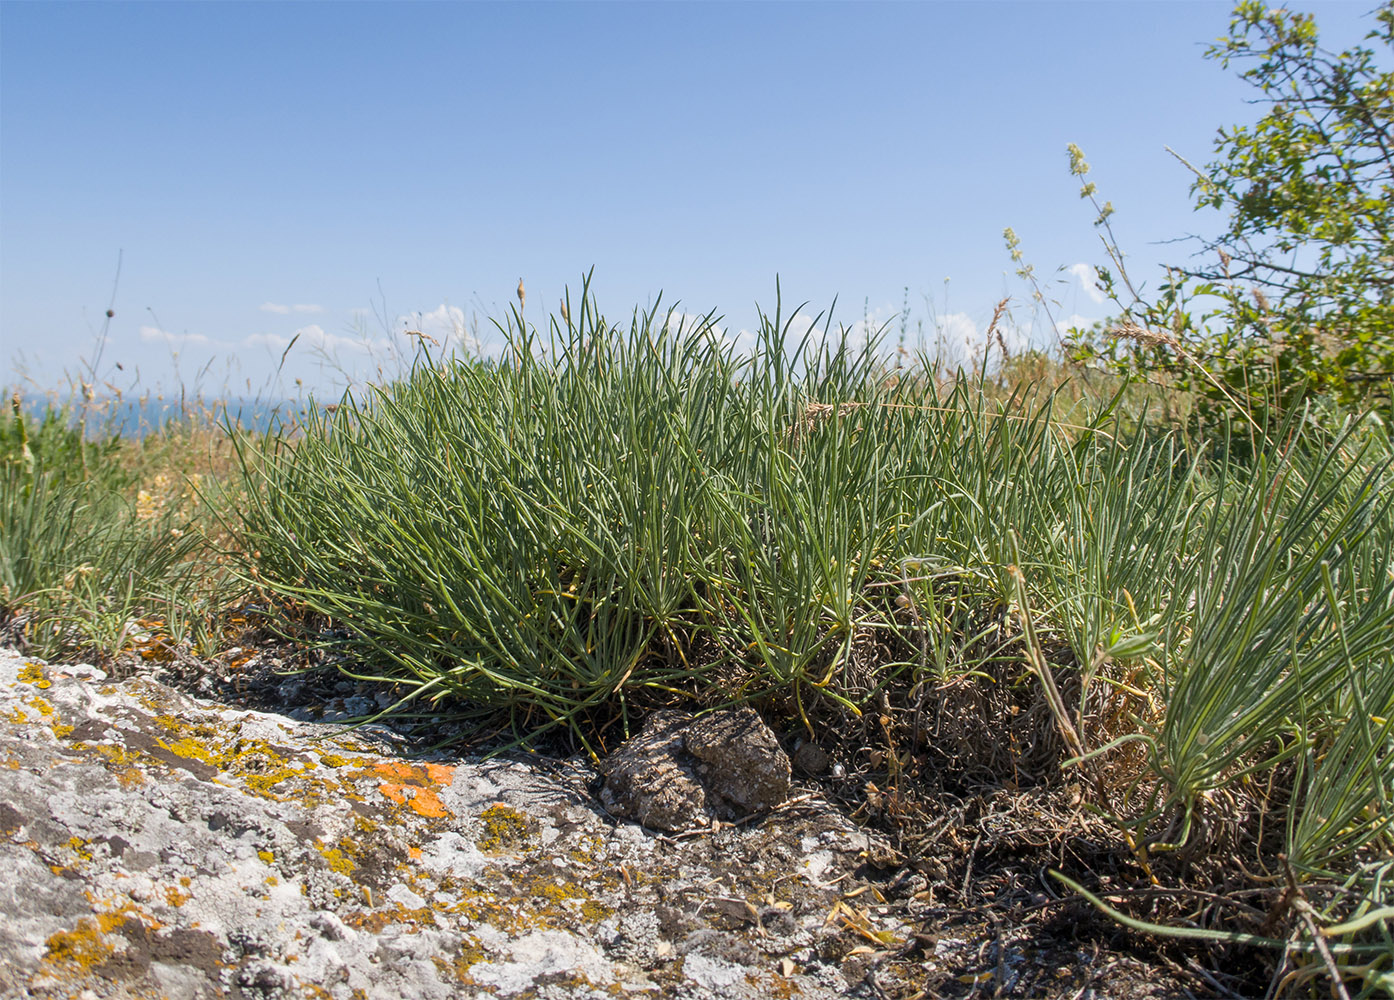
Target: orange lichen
[
  {"x": 414, "y": 786},
  {"x": 84, "y": 946},
  {"x": 414, "y": 919}
]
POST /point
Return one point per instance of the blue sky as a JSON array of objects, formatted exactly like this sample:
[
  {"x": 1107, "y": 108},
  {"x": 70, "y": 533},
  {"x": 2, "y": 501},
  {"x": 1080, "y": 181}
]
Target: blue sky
[{"x": 348, "y": 170}]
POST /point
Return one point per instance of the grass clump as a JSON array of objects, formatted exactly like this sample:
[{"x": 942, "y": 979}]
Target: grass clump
[{"x": 615, "y": 517}]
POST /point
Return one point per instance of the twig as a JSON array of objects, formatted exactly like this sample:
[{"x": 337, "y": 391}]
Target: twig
[{"x": 1338, "y": 984}]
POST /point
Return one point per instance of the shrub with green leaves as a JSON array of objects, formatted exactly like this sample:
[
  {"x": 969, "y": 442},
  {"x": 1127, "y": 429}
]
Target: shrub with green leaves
[{"x": 1299, "y": 299}]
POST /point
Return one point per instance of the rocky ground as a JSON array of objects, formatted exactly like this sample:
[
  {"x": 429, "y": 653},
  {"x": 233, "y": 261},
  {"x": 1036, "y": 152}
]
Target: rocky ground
[{"x": 154, "y": 843}]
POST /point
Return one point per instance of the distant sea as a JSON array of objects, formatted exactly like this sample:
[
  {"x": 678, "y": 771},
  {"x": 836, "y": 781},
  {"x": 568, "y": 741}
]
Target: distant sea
[{"x": 135, "y": 418}]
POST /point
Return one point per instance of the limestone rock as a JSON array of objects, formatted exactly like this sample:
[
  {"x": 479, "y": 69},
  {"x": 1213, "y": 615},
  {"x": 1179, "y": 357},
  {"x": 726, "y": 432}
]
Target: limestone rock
[{"x": 154, "y": 844}]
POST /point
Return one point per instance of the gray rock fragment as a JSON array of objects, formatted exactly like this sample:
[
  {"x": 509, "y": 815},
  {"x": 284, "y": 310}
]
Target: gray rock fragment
[
  {"x": 810, "y": 758},
  {"x": 741, "y": 763},
  {"x": 650, "y": 779},
  {"x": 677, "y": 767}
]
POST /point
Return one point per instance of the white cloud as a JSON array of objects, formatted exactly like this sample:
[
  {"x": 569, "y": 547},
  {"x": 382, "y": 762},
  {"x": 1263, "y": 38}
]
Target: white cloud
[
  {"x": 1088, "y": 280},
  {"x": 283, "y": 310},
  {"x": 153, "y": 335},
  {"x": 445, "y": 325},
  {"x": 314, "y": 338},
  {"x": 960, "y": 340}
]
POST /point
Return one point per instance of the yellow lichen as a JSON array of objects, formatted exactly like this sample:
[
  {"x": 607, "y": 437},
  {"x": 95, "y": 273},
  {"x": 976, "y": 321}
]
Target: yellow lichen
[
  {"x": 86, "y": 945},
  {"x": 33, "y": 673},
  {"x": 592, "y": 911},
  {"x": 119, "y": 756},
  {"x": 557, "y": 892},
  {"x": 258, "y": 763},
  {"x": 119, "y": 760},
  {"x": 267, "y": 856},
  {"x": 338, "y": 861},
  {"x": 503, "y": 828},
  {"x": 560, "y": 893},
  {"x": 459, "y": 964}
]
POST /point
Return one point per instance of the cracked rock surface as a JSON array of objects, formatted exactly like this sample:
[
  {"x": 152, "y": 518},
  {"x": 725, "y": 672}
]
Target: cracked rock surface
[
  {"x": 678, "y": 768},
  {"x": 155, "y": 845}
]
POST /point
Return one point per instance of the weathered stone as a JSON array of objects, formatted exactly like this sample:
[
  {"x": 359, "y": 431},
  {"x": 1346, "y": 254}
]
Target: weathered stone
[
  {"x": 809, "y": 758},
  {"x": 741, "y": 763},
  {"x": 650, "y": 778},
  {"x": 152, "y": 844},
  {"x": 679, "y": 768}
]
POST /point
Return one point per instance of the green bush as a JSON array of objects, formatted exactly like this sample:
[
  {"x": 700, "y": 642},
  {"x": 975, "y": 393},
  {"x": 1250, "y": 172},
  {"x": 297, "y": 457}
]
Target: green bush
[
  {"x": 1299, "y": 301},
  {"x": 613, "y": 518}
]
